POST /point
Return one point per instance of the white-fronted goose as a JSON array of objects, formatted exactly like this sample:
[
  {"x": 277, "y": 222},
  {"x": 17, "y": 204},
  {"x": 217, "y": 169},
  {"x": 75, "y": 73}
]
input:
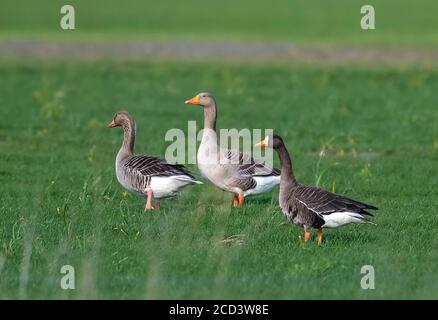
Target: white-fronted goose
[
  {"x": 146, "y": 175},
  {"x": 230, "y": 170},
  {"x": 310, "y": 206}
]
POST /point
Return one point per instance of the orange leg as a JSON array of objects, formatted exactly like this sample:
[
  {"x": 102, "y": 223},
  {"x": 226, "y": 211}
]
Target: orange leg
[
  {"x": 319, "y": 236},
  {"x": 148, "y": 200},
  {"x": 235, "y": 201},
  {"x": 306, "y": 236},
  {"x": 241, "y": 200}
]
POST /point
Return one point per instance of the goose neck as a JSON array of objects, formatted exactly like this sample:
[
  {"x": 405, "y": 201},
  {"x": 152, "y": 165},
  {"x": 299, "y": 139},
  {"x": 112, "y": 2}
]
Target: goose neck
[
  {"x": 210, "y": 116},
  {"x": 128, "y": 137},
  {"x": 287, "y": 174}
]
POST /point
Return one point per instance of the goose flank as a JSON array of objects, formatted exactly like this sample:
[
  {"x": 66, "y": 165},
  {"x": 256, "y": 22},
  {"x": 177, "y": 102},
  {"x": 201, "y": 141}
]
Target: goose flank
[
  {"x": 143, "y": 174},
  {"x": 310, "y": 206},
  {"x": 230, "y": 170}
]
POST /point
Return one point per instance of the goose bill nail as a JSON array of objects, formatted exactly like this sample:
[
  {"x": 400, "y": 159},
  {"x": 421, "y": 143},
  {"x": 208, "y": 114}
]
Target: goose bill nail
[{"x": 194, "y": 100}]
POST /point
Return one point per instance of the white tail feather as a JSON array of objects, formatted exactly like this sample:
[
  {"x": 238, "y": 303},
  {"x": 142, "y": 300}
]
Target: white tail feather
[{"x": 338, "y": 219}]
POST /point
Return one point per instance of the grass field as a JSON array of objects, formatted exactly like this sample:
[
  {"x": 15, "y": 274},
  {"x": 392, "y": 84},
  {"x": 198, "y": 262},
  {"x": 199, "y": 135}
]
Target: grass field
[
  {"x": 320, "y": 22},
  {"x": 61, "y": 204}
]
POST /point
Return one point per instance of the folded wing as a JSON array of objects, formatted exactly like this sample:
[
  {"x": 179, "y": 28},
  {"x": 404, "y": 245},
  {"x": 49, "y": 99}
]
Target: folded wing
[{"x": 324, "y": 202}]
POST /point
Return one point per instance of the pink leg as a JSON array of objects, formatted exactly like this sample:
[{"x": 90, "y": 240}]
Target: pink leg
[{"x": 148, "y": 200}]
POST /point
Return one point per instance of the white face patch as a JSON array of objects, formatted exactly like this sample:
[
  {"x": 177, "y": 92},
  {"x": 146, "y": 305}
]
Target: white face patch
[{"x": 267, "y": 140}]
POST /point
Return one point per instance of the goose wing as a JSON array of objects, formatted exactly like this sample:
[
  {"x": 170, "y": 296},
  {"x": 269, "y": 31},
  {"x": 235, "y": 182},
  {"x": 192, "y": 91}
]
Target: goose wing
[
  {"x": 323, "y": 202},
  {"x": 247, "y": 166},
  {"x": 150, "y": 166},
  {"x": 244, "y": 184}
]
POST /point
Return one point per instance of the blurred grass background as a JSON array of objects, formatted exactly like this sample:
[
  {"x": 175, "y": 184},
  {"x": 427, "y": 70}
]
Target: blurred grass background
[
  {"x": 316, "y": 22},
  {"x": 61, "y": 204}
]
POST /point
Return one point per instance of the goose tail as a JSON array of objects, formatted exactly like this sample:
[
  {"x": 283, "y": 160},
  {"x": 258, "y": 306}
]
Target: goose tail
[{"x": 337, "y": 219}]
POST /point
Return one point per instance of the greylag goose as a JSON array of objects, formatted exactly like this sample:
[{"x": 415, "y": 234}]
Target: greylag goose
[
  {"x": 146, "y": 175},
  {"x": 230, "y": 170},
  {"x": 310, "y": 206}
]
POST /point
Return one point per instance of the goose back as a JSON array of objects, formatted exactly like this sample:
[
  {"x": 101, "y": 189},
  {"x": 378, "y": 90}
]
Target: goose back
[
  {"x": 312, "y": 206},
  {"x": 138, "y": 172}
]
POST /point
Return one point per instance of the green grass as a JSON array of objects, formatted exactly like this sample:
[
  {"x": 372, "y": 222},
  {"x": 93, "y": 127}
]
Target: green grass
[
  {"x": 321, "y": 22},
  {"x": 61, "y": 204}
]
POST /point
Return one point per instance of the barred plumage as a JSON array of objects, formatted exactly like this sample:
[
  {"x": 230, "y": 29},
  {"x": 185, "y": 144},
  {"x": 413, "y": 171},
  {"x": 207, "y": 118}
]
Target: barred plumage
[{"x": 139, "y": 170}]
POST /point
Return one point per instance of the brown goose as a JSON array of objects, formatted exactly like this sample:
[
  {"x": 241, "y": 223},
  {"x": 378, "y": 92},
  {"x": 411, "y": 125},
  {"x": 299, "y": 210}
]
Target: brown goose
[
  {"x": 230, "y": 170},
  {"x": 309, "y": 206},
  {"x": 146, "y": 175}
]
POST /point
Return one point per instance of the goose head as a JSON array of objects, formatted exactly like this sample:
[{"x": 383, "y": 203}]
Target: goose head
[
  {"x": 203, "y": 99},
  {"x": 271, "y": 141},
  {"x": 121, "y": 118}
]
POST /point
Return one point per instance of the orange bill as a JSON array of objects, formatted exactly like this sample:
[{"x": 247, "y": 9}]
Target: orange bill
[
  {"x": 262, "y": 144},
  {"x": 194, "y": 100},
  {"x": 112, "y": 124}
]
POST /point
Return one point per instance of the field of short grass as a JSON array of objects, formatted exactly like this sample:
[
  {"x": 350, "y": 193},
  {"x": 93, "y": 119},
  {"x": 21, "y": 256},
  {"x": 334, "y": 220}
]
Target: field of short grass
[
  {"x": 316, "y": 22},
  {"x": 60, "y": 203}
]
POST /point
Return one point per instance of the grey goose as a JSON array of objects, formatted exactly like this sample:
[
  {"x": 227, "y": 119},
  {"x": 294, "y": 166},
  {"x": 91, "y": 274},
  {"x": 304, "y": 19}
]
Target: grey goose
[
  {"x": 230, "y": 170},
  {"x": 143, "y": 174},
  {"x": 310, "y": 206}
]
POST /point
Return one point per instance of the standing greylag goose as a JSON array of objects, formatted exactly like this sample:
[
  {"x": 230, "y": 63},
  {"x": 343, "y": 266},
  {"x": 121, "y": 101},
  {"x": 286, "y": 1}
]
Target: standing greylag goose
[
  {"x": 230, "y": 170},
  {"x": 309, "y": 206},
  {"x": 146, "y": 175}
]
